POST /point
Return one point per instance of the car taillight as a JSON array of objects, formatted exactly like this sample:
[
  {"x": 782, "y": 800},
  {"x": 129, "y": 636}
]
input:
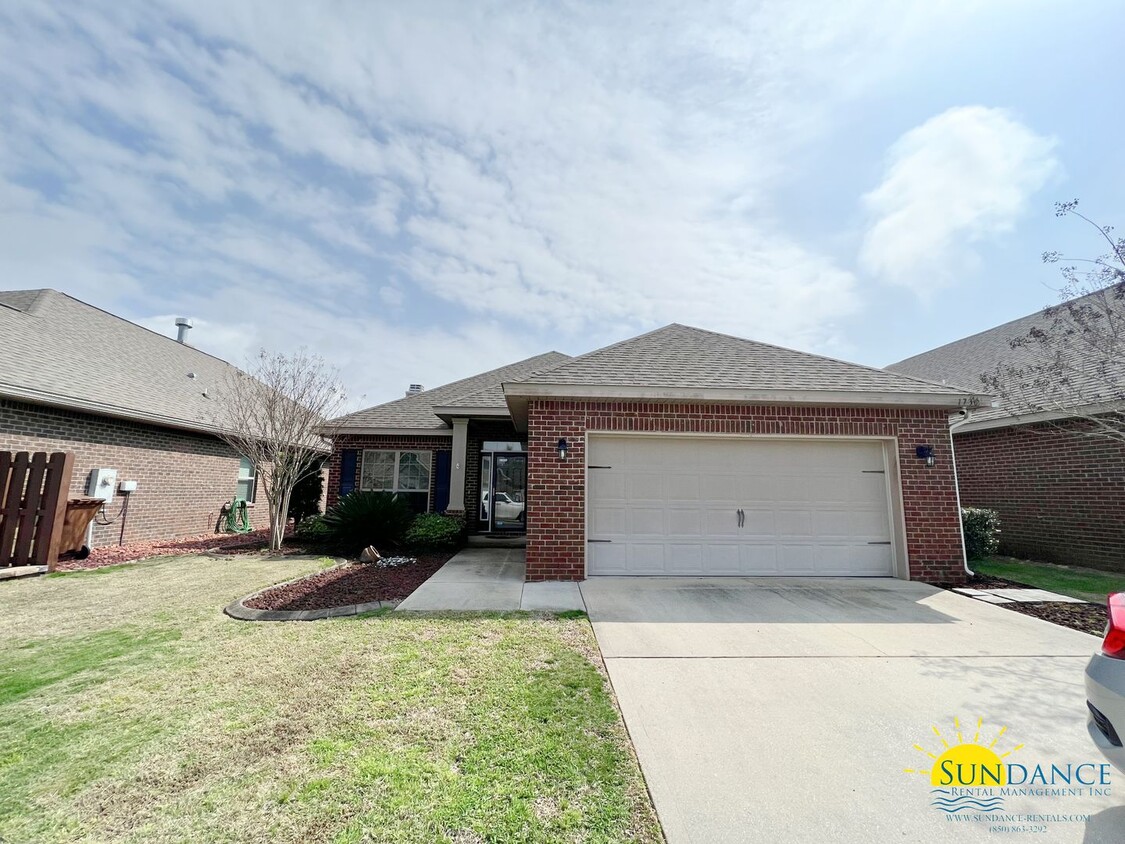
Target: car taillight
[{"x": 1114, "y": 644}]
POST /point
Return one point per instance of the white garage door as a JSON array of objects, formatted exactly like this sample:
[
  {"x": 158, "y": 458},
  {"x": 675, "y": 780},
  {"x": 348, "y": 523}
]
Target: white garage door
[{"x": 664, "y": 505}]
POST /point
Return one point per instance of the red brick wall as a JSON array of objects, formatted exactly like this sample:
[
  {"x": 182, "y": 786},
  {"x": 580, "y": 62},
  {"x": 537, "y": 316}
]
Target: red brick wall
[
  {"x": 183, "y": 479},
  {"x": 390, "y": 443},
  {"x": 556, "y": 489},
  {"x": 1060, "y": 496}
]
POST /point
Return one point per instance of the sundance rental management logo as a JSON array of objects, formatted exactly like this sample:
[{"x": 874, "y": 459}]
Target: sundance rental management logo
[{"x": 973, "y": 772}]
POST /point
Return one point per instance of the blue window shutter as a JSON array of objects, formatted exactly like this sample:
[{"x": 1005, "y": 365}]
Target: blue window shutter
[
  {"x": 348, "y": 459},
  {"x": 441, "y": 482}
]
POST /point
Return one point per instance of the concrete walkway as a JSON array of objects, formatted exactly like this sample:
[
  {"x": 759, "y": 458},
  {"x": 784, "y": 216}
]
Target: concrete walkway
[
  {"x": 490, "y": 579},
  {"x": 788, "y": 710}
]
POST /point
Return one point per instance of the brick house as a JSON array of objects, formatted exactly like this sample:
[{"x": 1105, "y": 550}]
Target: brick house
[
  {"x": 680, "y": 452},
  {"x": 76, "y": 378},
  {"x": 1060, "y": 495}
]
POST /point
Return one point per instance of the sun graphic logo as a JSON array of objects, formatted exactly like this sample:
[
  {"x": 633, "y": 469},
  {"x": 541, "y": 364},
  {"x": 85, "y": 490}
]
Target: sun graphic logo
[{"x": 963, "y": 773}]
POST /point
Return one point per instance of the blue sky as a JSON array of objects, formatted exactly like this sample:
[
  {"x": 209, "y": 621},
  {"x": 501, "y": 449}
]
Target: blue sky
[{"x": 421, "y": 191}]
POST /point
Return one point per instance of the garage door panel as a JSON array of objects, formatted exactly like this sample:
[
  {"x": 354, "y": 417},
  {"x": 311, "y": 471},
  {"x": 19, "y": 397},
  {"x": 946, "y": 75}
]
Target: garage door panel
[
  {"x": 758, "y": 560},
  {"x": 669, "y": 506},
  {"x": 721, "y": 522},
  {"x": 683, "y": 558},
  {"x": 602, "y": 485},
  {"x": 683, "y": 522},
  {"x": 647, "y": 557},
  {"x": 850, "y": 560},
  {"x": 792, "y": 523},
  {"x": 609, "y": 521},
  {"x": 722, "y": 558},
  {"x": 646, "y": 522}
]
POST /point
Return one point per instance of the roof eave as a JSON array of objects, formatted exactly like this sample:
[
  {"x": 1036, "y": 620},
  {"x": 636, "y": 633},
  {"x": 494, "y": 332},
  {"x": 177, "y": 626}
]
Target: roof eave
[
  {"x": 31, "y": 396},
  {"x": 1011, "y": 420},
  {"x": 448, "y": 413},
  {"x": 519, "y": 394},
  {"x": 376, "y": 431}
]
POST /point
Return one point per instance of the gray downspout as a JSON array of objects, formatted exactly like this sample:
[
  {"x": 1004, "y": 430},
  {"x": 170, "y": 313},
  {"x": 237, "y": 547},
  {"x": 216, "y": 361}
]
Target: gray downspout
[{"x": 957, "y": 488}]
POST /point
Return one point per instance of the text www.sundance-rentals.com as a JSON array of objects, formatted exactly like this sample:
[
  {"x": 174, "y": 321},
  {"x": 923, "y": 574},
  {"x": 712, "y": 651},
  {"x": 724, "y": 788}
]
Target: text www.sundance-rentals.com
[{"x": 1018, "y": 819}]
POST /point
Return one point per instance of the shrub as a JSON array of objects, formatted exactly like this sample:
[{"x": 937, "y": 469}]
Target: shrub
[
  {"x": 368, "y": 518},
  {"x": 982, "y": 532},
  {"x": 313, "y": 529},
  {"x": 431, "y": 530},
  {"x": 305, "y": 499}
]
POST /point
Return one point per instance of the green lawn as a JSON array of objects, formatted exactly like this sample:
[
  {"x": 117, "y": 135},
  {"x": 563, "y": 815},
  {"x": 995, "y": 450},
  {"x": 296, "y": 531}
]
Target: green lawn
[
  {"x": 1088, "y": 584},
  {"x": 132, "y": 710}
]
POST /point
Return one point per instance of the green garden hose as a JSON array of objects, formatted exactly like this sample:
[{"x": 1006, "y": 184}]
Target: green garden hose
[{"x": 238, "y": 517}]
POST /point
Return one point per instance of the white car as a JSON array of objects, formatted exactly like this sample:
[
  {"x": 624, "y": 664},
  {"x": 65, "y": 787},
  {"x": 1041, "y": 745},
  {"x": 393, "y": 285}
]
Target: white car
[
  {"x": 508, "y": 509},
  {"x": 1105, "y": 687}
]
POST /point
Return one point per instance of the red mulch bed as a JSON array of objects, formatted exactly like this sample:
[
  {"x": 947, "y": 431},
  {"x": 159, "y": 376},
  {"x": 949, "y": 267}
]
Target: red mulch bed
[
  {"x": 1089, "y": 618},
  {"x": 111, "y": 555},
  {"x": 355, "y": 583}
]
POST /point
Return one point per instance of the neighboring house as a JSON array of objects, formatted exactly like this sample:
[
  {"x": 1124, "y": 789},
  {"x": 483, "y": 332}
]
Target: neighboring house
[
  {"x": 120, "y": 397},
  {"x": 1060, "y": 496},
  {"x": 680, "y": 452}
]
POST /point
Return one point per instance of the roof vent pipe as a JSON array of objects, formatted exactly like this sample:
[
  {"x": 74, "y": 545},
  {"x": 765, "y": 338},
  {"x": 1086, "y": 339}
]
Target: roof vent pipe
[
  {"x": 414, "y": 389},
  {"x": 183, "y": 326}
]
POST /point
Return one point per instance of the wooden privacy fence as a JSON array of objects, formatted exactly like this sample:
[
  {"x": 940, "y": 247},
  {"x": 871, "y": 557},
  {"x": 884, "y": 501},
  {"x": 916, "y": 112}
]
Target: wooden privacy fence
[{"x": 33, "y": 490}]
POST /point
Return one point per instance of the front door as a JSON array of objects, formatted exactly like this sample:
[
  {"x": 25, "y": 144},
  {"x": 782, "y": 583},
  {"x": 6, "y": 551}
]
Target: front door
[{"x": 508, "y": 492}]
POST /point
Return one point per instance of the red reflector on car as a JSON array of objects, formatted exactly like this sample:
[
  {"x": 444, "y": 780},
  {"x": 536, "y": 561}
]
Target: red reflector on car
[{"x": 1114, "y": 644}]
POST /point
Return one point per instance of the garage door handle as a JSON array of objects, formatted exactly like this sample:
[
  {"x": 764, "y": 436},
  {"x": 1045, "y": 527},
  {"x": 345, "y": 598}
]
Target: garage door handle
[
  {"x": 741, "y": 517},
  {"x": 888, "y": 542}
]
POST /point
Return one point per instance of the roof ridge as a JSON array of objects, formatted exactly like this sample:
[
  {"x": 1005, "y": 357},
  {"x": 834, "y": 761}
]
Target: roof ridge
[
  {"x": 994, "y": 328},
  {"x": 745, "y": 340}
]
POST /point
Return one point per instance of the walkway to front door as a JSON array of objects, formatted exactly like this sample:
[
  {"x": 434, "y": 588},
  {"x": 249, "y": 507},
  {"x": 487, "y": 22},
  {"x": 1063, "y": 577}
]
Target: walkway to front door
[{"x": 482, "y": 578}]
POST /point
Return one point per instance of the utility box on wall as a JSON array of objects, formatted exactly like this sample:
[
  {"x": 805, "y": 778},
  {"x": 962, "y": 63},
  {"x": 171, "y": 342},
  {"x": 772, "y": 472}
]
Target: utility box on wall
[{"x": 103, "y": 484}]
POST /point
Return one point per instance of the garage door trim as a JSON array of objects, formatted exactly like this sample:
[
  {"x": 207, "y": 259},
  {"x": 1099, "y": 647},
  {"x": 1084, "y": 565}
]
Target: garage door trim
[{"x": 892, "y": 480}]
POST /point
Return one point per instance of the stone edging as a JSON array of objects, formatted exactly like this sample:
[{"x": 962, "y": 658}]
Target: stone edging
[{"x": 238, "y": 609}]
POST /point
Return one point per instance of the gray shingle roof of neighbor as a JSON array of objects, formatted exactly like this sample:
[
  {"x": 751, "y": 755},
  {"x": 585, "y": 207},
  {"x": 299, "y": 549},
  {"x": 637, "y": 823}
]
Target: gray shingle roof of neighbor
[
  {"x": 57, "y": 350},
  {"x": 964, "y": 361},
  {"x": 479, "y": 391},
  {"x": 678, "y": 356}
]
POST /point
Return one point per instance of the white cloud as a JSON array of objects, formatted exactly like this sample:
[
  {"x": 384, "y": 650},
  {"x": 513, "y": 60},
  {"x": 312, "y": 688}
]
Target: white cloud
[
  {"x": 552, "y": 175},
  {"x": 960, "y": 179}
]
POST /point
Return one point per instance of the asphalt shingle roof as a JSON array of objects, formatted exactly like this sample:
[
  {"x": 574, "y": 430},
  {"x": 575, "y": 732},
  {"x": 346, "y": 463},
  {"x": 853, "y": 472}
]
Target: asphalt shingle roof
[
  {"x": 484, "y": 390},
  {"x": 678, "y": 356},
  {"x": 58, "y": 350},
  {"x": 964, "y": 361}
]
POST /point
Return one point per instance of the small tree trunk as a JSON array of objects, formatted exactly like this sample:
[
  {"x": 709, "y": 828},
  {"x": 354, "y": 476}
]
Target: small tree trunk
[
  {"x": 276, "y": 525},
  {"x": 283, "y": 516}
]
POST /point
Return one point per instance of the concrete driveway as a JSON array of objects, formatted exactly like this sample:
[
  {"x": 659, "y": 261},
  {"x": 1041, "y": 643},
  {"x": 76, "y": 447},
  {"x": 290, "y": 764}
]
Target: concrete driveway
[{"x": 780, "y": 710}]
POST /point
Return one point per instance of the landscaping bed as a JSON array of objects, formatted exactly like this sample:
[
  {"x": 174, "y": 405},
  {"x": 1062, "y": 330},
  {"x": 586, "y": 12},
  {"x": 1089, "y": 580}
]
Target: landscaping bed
[
  {"x": 112, "y": 555},
  {"x": 1089, "y": 618},
  {"x": 353, "y": 583}
]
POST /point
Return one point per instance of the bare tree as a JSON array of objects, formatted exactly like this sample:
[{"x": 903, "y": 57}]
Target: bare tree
[
  {"x": 278, "y": 415},
  {"x": 1071, "y": 365}
]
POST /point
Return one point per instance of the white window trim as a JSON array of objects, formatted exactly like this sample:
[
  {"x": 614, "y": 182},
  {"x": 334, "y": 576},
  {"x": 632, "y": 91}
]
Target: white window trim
[
  {"x": 253, "y": 478},
  {"x": 398, "y": 452}
]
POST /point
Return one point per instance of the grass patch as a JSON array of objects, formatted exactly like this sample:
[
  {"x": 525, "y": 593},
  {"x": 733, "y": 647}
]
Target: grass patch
[
  {"x": 1088, "y": 584},
  {"x": 131, "y": 710}
]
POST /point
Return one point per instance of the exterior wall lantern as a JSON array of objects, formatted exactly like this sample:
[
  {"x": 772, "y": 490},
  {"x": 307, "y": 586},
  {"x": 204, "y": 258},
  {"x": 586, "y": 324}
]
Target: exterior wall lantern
[
  {"x": 562, "y": 448},
  {"x": 926, "y": 453}
]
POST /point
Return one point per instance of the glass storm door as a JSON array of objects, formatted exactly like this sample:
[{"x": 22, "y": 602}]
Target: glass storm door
[
  {"x": 508, "y": 492},
  {"x": 486, "y": 490}
]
